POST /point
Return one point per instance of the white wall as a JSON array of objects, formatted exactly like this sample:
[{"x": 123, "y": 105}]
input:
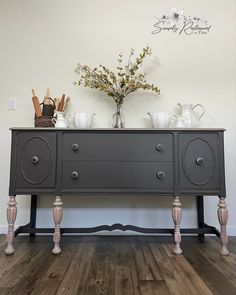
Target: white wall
[{"x": 41, "y": 42}]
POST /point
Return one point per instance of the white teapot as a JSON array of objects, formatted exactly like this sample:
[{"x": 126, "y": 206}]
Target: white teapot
[{"x": 82, "y": 120}]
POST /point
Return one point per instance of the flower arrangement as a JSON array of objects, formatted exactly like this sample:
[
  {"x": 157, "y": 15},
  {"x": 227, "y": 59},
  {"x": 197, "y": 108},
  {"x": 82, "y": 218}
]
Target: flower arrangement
[{"x": 119, "y": 84}]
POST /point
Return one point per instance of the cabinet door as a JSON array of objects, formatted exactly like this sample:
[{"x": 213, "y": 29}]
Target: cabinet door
[
  {"x": 35, "y": 159},
  {"x": 199, "y": 162}
]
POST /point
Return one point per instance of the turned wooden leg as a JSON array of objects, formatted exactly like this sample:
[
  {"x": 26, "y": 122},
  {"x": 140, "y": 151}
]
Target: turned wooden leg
[
  {"x": 223, "y": 218},
  {"x": 11, "y": 217},
  {"x": 57, "y": 216},
  {"x": 177, "y": 214}
]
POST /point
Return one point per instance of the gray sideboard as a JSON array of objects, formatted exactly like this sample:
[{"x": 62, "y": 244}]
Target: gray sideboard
[{"x": 161, "y": 162}]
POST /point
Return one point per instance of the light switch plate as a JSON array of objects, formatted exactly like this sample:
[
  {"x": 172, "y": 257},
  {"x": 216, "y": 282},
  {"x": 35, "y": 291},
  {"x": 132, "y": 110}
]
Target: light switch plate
[{"x": 12, "y": 103}]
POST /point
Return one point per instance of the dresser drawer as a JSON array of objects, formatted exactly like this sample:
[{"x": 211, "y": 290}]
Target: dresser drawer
[
  {"x": 128, "y": 175},
  {"x": 117, "y": 147}
]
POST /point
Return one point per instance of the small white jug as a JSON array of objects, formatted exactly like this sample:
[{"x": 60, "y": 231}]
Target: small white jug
[
  {"x": 180, "y": 123},
  {"x": 59, "y": 120},
  {"x": 161, "y": 119},
  {"x": 82, "y": 120}
]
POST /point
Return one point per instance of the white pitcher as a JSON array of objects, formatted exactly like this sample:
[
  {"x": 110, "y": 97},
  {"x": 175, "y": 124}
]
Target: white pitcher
[
  {"x": 58, "y": 120},
  {"x": 187, "y": 113},
  {"x": 180, "y": 123},
  {"x": 82, "y": 120}
]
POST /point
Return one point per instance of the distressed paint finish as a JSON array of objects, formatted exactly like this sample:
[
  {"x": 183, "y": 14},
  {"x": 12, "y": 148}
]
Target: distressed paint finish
[
  {"x": 11, "y": 217},
  {"x": 102, "y": 168},
  {"x": 177, "y": 215},
  {"x": 223, "y": 218},
  {"x": 57, "y": 216}
]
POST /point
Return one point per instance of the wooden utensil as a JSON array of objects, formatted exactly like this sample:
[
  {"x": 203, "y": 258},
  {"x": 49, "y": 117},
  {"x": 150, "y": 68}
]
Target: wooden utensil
[
  {"x": 37, "y": 108},
  {"x": 61, "y": 104},
  {"x": 66, "y": 103},
  {"x": 47, "y": 100},
  {"x": 56, "y": 101}
]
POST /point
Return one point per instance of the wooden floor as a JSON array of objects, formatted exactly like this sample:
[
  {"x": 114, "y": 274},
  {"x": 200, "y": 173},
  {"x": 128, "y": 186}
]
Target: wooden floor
[{"x": 121, "y": 265}]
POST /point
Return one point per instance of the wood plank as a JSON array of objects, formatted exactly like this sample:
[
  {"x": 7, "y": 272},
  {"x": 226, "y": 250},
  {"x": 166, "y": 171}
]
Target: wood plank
[
  {"x": 4, "y": 291},
  {"x": 28, "y": 283},
  {"x": 75, "y": 279},
  {"x": 124, "y": 256},
  {"x": 190, "y": 278},
  {"x": 194, "y": 283},
  {"x": 206, "y": 270},
  {"x": 101, "y": 279},
  {"x": 26, "y": 272},
  {"x": 123, "y": 281},
  {"x": 232, "y": 242},
  {"x": 150, "y": 261},
  {"x": 123, "y": 252},
  {"x": 142, "y": 268},
  {"x": 169, "y": 250},
  {"x": 2, "y": 240},
  {"x": 135, "y": 281},
  {"x": 153, "y": 288},
  {"x": 90, "y": 265},
  {"x": 51, "y": 279},
  {"x": 221, "y": 263},
  {"x": 215, "y": 246},
  {"x": 169, "y": 272},
  {"x": 24, "y": 248}
]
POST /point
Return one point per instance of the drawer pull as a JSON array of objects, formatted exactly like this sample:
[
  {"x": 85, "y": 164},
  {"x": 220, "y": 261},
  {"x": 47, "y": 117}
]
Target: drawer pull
[
  {"x": 34, "y": 159},
  {"x": 199, "y": 161},
  {"x": 75, "y": 147},
  {"x": 74, "y": 174},
  {"x": 160, "y": 174},
  {"x": 160, "y": 147}
]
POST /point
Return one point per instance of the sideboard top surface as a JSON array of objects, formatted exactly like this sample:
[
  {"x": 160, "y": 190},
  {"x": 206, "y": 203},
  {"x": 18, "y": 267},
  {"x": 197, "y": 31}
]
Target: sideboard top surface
[{"x": 121, "y": 129}]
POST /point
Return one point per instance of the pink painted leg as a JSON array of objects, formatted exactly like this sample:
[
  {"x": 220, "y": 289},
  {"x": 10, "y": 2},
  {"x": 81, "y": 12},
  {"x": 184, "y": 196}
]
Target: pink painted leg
[
  {"x": 177, "y": 215},
  {"x": 223, "y": 218},
  {"x": 11, "y": 217},
  {"x": 57, "y": 216}
]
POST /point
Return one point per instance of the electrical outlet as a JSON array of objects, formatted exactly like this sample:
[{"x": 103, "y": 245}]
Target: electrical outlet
[{"x": 12, "y": 103}]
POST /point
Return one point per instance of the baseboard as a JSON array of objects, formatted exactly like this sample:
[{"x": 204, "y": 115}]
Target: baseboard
[
  {"x": 231, "y": 230},
  {"x": 3, "y": 230}
]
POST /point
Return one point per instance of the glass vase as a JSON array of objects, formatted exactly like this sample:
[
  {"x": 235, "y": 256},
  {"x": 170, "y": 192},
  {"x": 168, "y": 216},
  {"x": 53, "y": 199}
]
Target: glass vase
[{"x": 118, "y": 118}]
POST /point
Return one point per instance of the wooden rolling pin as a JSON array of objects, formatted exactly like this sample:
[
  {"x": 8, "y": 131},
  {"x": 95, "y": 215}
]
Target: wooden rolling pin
[
  {"x": 47, "y": 99},
  {"x": 37, "y": 108},
  {"x": 66, "y": 103},
  {"x": 61, "y": 103}
]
